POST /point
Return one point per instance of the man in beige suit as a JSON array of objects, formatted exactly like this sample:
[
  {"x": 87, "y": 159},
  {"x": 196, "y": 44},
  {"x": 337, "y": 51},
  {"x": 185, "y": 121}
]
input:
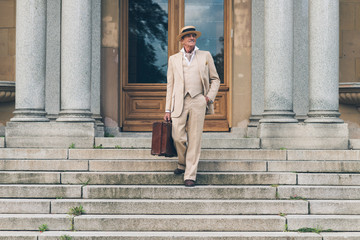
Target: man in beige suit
[{"x": 192, "y": 85}]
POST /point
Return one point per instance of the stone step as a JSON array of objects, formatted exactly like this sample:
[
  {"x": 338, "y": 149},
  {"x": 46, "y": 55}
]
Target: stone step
[
  {"x": 30, "y": 153},
  {"x": 40, "y": 191},
  {"x": 216, "y": 223},
  {"x": 206, "y": 154},
  {"x": 337, "y": 223},
  {"x": 314, "y": 166},
  {"x": 318, "y": 155},
  {"x": 29, "y": 177},
  {"x": 341, "y": 236},
  {"x": 24, "y": 206},
  {"x": 183, "y": 207},
  {"x": 319, "y": 192},
  {"x": 166, "y": 178},
  {"x": 334, "y": 207},
  {"x": 207, "y": 143},
  {"x": 44, "y": 165},
  {"x": 32, "y": 222},
  {"x": 159, "y": 165},
  {"x": 182, "y": 235},
  {"x": 165, "y": 165},
  {"x": 178, "y": 192},
  {"x": 329, "y": 179},
  {"x": 55, "y": 235}
]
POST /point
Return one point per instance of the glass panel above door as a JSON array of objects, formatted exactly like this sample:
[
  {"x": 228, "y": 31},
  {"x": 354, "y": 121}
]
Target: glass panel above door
[
  {"x": 208, "y": 18},
  {"x": 148, "y": 40}
]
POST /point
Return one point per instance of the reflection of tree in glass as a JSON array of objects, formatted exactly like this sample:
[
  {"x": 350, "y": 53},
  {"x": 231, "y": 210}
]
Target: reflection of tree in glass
[
  {"x": 147, "y": 25},
  {"x": 219, "y": 60}
]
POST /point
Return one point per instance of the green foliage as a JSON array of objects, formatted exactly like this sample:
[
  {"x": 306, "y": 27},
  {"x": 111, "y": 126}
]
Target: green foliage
[
  {"x": 43, "y": 228},
  {"x": 282, "y": 214},
  {"x": 98, "y": 147},
  {"x": 76, "y": 211},
  {"x": 314, "y": 230},
  {"x": 295, "y": 197},
  {"x": 282, "y": 148},
  {"x": 72, "y": 146},
  {"x": 277, "y": 196},
  {"x": 118, "y": 147},
  {"x": 108, "y": 135},
  {"x": 286, "y": 228},
  {"x": 274, "y": 185},
  {"x": 65, "y": 237},
  {"x": 84, "y": 182}
]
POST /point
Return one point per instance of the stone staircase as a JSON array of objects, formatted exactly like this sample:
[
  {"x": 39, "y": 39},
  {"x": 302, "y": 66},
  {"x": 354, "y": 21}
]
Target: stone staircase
[{"x": 242, "y": 193}]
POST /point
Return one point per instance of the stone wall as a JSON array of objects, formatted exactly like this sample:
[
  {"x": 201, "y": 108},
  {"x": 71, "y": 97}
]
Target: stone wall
[
  {"x": 7, "y": 55},
  {"x": 241, "y": 68}
]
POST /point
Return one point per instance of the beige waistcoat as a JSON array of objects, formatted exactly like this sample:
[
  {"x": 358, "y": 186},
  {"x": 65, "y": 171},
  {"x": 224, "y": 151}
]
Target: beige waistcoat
[{"x": 192, "y": 80}]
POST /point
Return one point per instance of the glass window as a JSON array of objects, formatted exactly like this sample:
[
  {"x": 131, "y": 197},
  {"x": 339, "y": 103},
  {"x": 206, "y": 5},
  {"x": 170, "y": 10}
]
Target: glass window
[
  {"x": 148, "y": 34},
  {"x": 208, "y": 18}
]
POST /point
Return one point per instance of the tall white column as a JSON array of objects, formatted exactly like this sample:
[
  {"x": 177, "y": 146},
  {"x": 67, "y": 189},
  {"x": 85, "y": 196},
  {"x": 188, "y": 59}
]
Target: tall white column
[
  {"x": 324, "y": 61},
  {"x": 278, "y": 105},
  {"x": 30, "y": 61},
  {"x": 76, "y": 61}
]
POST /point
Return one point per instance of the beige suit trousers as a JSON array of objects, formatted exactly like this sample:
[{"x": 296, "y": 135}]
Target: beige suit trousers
[{"x": 187, "y": 132}]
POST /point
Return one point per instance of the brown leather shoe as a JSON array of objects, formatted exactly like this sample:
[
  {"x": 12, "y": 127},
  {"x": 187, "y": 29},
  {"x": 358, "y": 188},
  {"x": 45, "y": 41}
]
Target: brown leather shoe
[
  {"x": 189, "y": 183},
  {"x": 179, "y": 171}
]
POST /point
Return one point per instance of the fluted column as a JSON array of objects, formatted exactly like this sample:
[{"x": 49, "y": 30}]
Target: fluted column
[
  {"x": 278, "y": 106},
  {"x": 324, "y": 61},
  {"x": 30, "y": 61},
  {"x": 76, "y": 61}
]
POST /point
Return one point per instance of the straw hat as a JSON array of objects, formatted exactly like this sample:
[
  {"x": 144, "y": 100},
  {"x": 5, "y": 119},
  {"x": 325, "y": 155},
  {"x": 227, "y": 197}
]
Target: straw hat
[{"x": 188, "y": 30}]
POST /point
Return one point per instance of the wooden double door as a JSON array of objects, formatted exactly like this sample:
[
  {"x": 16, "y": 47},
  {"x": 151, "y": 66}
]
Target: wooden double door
[{"x": 148, "y": 31}]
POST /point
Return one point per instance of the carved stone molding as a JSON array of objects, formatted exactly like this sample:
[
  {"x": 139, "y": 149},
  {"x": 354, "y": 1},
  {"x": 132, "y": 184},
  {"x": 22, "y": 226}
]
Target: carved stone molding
[
  {"x": 349, "y": 93},
  {"x": 7, "y": 91}
]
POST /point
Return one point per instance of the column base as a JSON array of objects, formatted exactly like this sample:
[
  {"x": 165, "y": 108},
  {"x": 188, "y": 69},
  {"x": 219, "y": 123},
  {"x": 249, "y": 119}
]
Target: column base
[
  {"x": 75, "y": 116},
  {"x": 49, "y": 134},
  {"x": 100, "y": 127},
  {"x": 323, "y": 117},
  {"x": 278, "y": 117},
  {"x": 304, "y": 136},
  {"x": 29, "y": 115},
  {"x": 252, "y": 130}
]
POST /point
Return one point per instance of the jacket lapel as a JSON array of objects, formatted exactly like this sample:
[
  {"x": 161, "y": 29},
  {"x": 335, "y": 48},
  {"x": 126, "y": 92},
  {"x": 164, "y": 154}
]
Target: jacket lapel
[
  {"x": 200, "y": 62},
  {"x": 179, "y": 65}
]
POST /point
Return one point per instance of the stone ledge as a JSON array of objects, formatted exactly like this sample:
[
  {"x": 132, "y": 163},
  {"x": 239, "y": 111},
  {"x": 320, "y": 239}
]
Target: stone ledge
[
  {"x": 338, "y": 223},
  {"x": 185, "y": 207},
  {"x": 179, "y": 223},
  {"x": 305, "y": 143},
  {"x": 179, "y": 235},
  {"x": 49, "y": 134},
  {"x": 304, "y": 136},
  {"x": 354, "y": 144},
  {"x": 178, "y": 192}
]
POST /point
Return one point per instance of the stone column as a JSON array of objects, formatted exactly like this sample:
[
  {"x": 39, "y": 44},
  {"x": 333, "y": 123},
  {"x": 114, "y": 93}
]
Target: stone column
[
  {"x": 76, "y": 61},
  {"x": 96, "y": 67},
  {"x": 53, "y": 56},
  {"x": 257, "y": 66},
  {"x": 30, "y": 61},
  {"x": 278, "y": 106},
  {"x": 324, "y": 61}
]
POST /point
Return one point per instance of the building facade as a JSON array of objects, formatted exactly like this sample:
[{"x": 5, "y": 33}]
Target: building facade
[{"x": 86, "y": 68}]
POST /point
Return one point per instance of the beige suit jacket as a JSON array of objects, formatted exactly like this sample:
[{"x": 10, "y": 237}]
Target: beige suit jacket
[{"x": 175, "y": 81}]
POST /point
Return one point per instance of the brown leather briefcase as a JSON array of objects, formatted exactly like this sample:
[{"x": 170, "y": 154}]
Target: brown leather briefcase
[{"x": 162, "y": 143}]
